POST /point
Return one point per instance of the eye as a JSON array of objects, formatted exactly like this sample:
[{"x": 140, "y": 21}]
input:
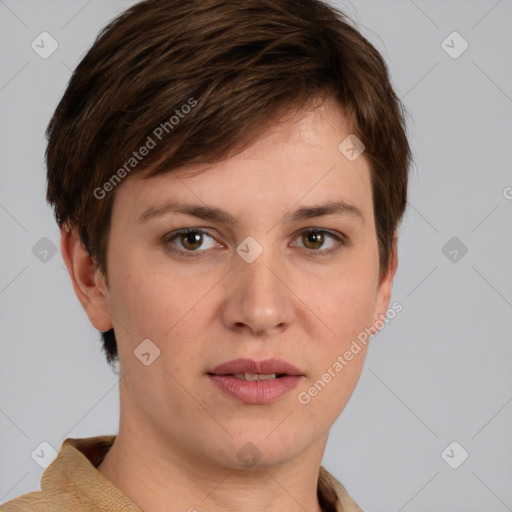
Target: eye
[
  {"x": 191, "y": 241},
  {"x": 315, "y": 238}
]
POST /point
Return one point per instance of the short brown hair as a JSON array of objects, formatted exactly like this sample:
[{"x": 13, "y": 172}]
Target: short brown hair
[{"x": 244, "y": 63}]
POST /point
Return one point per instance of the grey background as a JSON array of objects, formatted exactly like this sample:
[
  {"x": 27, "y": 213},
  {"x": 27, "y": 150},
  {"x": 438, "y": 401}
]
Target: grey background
[{"x": 439, "y": 372}]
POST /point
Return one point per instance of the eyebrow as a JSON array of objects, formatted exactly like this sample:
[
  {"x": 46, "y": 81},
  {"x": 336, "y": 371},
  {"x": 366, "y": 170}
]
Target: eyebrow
[{"x": 211, "y": 213}]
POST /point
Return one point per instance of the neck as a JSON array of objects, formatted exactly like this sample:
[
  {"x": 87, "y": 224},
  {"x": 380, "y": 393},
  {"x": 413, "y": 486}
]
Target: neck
[{"x": 158, "y": 474}]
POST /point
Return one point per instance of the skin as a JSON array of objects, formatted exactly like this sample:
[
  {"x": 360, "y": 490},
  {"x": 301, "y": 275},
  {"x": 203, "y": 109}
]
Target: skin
[{"x": 179, "y": 435}]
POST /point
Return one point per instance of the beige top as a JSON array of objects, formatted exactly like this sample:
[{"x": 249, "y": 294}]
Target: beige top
[{"x": 72, "y": 483}]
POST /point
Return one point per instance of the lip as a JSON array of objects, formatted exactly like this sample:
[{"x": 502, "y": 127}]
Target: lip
[
  {"x": 266, "y": 366},
  {"x": 256, "y": 392}
]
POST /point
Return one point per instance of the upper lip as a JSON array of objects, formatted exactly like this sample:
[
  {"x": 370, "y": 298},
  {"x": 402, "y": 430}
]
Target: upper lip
[{"x": 261, "y": 367}]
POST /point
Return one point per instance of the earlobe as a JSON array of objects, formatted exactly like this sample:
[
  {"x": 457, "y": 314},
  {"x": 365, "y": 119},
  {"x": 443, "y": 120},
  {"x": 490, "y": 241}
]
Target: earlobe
[
  {"x": 386, "y": 284},
  {"x": 87, "y": 282}
]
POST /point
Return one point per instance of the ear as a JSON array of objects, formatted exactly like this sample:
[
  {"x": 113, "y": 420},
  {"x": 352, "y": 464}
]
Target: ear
[
  {"x": 385, "y": 286},
  {"x": 88, "y": 282}
]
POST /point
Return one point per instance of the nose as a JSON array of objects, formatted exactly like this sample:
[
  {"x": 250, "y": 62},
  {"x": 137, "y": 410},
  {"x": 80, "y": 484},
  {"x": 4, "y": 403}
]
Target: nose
[{"x": 259, "y": 297}]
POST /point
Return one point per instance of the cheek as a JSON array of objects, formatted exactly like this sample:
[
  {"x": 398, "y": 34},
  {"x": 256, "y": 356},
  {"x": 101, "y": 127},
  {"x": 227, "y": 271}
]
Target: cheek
[
  {"x": 345, "y": 303},
  {"x": 164, "y": 306},
  {"x": 346, "y": 308},
  {"x": 148, "y": 298}
]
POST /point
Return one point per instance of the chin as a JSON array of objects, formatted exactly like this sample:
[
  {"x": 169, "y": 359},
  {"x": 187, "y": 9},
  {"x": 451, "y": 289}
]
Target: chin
[{"x": 258, "y": 450}]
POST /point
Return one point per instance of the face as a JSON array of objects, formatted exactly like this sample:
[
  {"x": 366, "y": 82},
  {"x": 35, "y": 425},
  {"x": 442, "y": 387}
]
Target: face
[{"x": 269, "y": 284}]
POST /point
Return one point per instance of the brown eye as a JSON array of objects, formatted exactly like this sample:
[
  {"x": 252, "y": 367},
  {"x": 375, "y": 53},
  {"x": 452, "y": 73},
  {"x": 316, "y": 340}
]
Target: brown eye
[
  {"x": 315, "y": 238},
  {"x": 191, "y": 240}
]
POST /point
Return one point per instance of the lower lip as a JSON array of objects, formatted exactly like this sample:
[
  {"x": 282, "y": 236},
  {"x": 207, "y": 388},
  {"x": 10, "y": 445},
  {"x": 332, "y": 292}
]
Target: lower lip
[{"x": 256, "y": 391}]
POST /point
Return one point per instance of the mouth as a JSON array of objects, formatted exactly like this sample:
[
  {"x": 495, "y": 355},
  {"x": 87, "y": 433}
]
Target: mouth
[{"x": 256, "y": 382}]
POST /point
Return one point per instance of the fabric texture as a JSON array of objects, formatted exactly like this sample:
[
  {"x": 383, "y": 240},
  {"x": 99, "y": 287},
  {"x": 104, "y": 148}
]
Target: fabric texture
[{"x": 72, "y": 483}]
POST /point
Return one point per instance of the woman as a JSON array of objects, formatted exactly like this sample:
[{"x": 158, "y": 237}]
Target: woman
[{"x": 228, "y": 178}]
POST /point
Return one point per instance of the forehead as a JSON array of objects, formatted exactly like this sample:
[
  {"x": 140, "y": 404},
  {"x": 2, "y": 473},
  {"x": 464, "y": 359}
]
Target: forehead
[{"x": 297, "y": 161}]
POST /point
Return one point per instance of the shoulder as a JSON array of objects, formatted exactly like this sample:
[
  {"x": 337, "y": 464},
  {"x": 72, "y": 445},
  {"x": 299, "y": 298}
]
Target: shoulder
[
  {"x": 33, "y": 502},
  {"x": 335, "y": 493}
]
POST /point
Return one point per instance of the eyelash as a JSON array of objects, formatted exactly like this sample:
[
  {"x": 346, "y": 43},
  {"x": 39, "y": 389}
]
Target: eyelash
[{"x": 339, "y": 237}]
